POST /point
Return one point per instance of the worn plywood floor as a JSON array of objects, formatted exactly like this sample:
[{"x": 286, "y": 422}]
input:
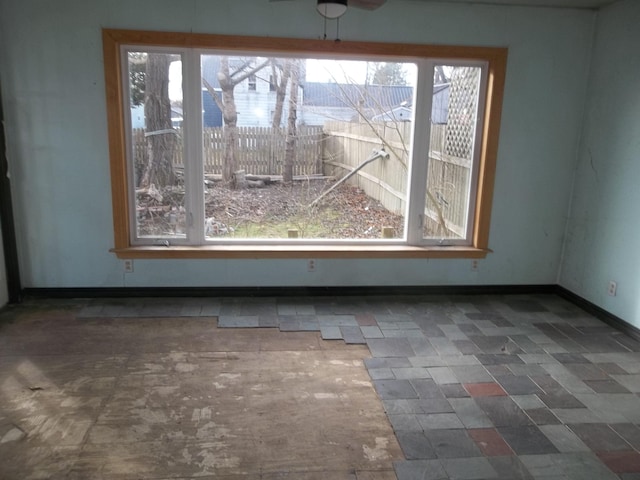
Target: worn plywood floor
[
  {"x": 177, "y": 397},
  {"x": 500, "y": 387}
]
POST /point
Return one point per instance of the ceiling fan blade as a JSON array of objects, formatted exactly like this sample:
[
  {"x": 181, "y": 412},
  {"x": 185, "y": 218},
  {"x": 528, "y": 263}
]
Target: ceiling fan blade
[
  {"x": 363, "y": 4},
  {"x": 366, "y": 4}
]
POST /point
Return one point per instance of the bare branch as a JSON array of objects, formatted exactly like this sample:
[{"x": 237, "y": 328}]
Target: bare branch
[
  {"x": 281, "y": 89},
  {"x": 347, "y": 99},
  {"x": 236, "y": 80},
  {"x": 216, "y": 97}
]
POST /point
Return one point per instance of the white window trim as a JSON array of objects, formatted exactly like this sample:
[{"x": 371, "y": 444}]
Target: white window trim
[{"x": 417, "y": 175}]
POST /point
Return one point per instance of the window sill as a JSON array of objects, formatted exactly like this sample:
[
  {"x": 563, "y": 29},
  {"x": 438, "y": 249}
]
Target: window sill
[{"x": 299, "y": 251}]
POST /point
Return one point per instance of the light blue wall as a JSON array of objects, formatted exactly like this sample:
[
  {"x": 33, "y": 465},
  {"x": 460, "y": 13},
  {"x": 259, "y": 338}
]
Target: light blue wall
[
  {"x": 52, "y": 77},
  {"x": 603, "y": 233}
]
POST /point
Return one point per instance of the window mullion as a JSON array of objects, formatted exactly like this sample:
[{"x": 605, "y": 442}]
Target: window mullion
[
  {"x": 130, "y": 175},
  {"x": 477, "y": 147},
  {"x": 420, "y": 153},
  {"x": 192, "y": 128}
]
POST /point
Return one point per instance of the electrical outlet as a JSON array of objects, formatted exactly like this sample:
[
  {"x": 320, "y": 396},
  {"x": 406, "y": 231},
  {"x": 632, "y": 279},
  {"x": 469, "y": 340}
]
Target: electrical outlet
[
  {"x": 128, "y": 266},
  {"x": 474, "y": 265},
  {"x": 311, "y": 265},
  {"x": 613, "y": 286}
]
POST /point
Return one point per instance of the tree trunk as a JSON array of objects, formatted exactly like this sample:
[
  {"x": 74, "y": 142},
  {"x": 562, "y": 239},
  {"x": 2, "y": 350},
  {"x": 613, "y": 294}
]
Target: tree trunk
[
  {"x": 227, "y": 104},
  {"x": 161, "y": 138},
  {"x": 292, "y": 133},
  {"x": 230, "y": 117},
  {"x": 281, "y": 91}
]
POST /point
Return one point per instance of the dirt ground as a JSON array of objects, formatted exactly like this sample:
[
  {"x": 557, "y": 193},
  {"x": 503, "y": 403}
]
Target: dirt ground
[
  {"x": 271, "y": 211},
  {"x": 346, "y": 212}
]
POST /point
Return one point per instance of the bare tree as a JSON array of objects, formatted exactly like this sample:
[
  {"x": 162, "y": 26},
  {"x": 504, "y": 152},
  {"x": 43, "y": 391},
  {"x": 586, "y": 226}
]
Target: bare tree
[
  {"x": 357, "y": 104},
  {"x": 226, "y": 103},
  {"x": 137, "y": 74},
  {"x": 439, "y": 75},
  {"x": 280, "y": 73},
  {"x": 389, "y": 73},
  {"x": 160, "y": 135},
  {"x": 290, "y": 144}
]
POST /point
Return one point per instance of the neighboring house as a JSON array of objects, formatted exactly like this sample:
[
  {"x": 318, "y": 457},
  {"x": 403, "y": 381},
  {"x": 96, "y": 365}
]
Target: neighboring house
[
  {"x": 137, "y": 116},
  {"x": 255, "y": 97},
  {"x": 346, "y": 102},
  {"x": 404, "y": 112},
  {"x": 211, "y": 113},
  {"x": 440, "y": 105},
  {"x": 176, "y": 117}
]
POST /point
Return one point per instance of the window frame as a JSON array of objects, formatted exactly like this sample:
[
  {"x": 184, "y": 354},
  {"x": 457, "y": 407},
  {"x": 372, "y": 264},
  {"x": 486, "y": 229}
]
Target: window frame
[
  {"x": 422, "y": 123},
  {"x": 116, "y": 99}
]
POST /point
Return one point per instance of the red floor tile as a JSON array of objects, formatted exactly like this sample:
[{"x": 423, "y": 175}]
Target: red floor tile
[
  {"x": 366, "y": 319},
  {"x": 621, "y": 462},
  {"x": 490, "y": 442},
  {"x": 484, "y": 389}
]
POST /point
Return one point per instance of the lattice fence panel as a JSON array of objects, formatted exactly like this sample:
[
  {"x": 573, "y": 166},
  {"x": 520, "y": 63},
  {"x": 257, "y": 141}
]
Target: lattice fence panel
[{"x": 463, "y": 105}]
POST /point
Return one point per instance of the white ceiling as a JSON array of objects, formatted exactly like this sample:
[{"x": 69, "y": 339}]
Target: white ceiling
[{"x": 536, "y": 3}]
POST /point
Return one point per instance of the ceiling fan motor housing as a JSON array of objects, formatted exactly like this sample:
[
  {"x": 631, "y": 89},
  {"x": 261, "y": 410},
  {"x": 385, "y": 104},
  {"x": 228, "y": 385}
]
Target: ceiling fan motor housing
[{"x": 332, "y": 8}]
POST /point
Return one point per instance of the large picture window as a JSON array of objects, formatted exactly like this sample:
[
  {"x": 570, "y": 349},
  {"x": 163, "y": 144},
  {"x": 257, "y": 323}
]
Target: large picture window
[{"x": 247, "y": 146}]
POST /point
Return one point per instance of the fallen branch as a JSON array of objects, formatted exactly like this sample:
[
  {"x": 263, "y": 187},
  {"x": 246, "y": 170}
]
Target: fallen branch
[
  {"x": 267, "y": 179},
  {"x": 374, "y": 156}
]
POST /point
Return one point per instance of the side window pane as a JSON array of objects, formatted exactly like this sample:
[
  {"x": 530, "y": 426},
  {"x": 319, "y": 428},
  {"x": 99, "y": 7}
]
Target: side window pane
[
  {"x": 158, "y": 193},
  {"x": 454, "y": 119},
  {"x": 320, "y": 152}
]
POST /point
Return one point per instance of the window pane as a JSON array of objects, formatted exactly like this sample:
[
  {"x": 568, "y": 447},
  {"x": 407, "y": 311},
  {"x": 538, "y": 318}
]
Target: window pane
[
  {"x": 451, "y": 151},
  {"x": 281, "y": 136},
  {"x": 155, "y": 87}
]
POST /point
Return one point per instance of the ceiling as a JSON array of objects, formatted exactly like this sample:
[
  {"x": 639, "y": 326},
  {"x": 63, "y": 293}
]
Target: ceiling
[{"x": 536, "y": 3}]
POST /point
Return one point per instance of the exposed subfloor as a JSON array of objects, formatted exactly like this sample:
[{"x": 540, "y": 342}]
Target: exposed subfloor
[{"x": 358, "y": 388}]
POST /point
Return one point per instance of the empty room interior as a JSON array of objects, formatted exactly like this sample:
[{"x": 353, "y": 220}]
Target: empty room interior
[{"x": 301, "y": 239}]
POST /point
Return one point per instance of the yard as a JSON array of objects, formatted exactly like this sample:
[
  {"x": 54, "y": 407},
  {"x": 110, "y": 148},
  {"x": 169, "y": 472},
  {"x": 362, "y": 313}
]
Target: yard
[{"x": 273, "y": 211}]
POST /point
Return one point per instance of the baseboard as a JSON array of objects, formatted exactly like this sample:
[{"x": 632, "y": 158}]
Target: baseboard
[
  {"x": 289, "y": 291},
  {"x": 599, "y": 312}
]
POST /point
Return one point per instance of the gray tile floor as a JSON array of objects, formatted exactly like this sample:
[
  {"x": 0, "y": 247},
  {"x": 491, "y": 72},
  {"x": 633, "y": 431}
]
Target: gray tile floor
[{"x": 475, "y": 387}]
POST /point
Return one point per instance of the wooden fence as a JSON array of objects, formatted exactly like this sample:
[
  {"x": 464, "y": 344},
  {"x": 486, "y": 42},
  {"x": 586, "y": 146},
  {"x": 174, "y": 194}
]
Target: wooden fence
[
  {"x": 338, "y": 148},
  {"x": 260, "y": 150},
  {"x": 348, "y": 144}
]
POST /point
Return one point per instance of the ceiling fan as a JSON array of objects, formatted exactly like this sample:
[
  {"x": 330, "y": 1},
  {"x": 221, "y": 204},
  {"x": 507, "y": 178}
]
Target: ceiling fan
[{"x": 337, "y": 8}]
